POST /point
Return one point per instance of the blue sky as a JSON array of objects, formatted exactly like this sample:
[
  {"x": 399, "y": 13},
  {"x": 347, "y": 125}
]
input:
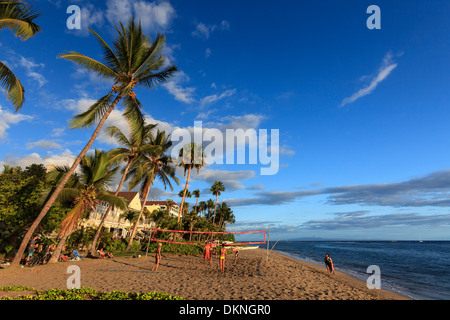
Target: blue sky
[{"x": 362, "y": 114}]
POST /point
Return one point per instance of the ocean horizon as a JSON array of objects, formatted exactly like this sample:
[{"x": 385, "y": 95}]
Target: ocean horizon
[{"x": 418, "y": 270}]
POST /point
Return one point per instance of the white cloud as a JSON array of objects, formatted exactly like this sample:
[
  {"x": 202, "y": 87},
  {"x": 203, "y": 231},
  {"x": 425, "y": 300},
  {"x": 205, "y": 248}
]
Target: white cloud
[
  {"x": 66, "y": 158},
  {"x": 8, "y": 118},
  {"x": 175, "y": 88},
  {"x": 385, "y": 69},
  {"x": 154, "y": 16}
]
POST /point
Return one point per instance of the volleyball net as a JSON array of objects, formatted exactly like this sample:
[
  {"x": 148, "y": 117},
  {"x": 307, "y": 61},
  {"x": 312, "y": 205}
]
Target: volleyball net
[{"x": 230, "y": 238}]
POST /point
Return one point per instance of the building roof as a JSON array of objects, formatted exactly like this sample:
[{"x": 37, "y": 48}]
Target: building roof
[
  {"x": 157, "y": 203},
  {"x": 128, "y": 195}
]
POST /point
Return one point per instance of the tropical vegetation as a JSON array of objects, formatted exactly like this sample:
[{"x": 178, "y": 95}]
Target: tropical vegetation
[
  {"x": 55, "y": 201},
  {"x": 19, "y": 17}
]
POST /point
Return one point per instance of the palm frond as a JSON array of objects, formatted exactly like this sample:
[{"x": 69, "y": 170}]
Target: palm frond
[
  {"x": 18, "y": 17},
  {"x": 114, "y": 201},
  {"x": 151, "y": 79},
  {"x": 119, "y": 136},
  {"x": 90, "y": 64},
  {"x": 68, "y": 194},
  {"x": 108, "y": 53},
  {"x": 152, "y": 58},
  {"x": 133, "y": 114},
  {"x": 14, "y": 89},
  {"x": 93, "y": 113},
  {"x": 71, "y": 220}
]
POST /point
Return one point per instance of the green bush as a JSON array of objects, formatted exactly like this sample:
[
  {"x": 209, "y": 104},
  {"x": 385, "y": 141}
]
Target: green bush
[{"x": 87, "y": 294}]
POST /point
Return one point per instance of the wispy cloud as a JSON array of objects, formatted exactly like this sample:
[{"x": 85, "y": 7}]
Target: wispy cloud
[
  {"x": 30, "y": 68},
  {"x": 43, "y": 144},
  {"x": 384, "y": 70},
  {"x": 362, "y": 219},
  {"x": 432, "y": 190},
  {"x": 178, "y": 91},
  {"x": 204, "y": 31}
]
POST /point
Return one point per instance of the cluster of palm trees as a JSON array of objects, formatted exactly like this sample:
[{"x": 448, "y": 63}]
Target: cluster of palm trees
[
  {"x": 209, "y": 209},
  {"x": 132, "y": 60}
]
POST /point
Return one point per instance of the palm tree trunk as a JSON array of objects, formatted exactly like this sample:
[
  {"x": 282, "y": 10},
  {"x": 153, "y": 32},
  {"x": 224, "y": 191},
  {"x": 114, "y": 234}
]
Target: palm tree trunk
[
  {"x": 61, "y": 185},
  {"x": 133, "y": 233},
  {"x": 58, "y": 250},
  {"x": 97, "y": 234},
  {"x": 184, "y": 194},
  {"x": 215, "y": 207},
  {"x": 196, "y": 206}
]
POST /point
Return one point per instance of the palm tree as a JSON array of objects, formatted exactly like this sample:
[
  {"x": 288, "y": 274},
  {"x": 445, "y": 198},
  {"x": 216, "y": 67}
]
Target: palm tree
[
  {"x": 148, "y": 167},
  {"x": 196, "y": 193},
  {"x": 18, "y": 16},
  {"x": 131, "y": 148},
  {"x": 216, "y": 189},
  {"x": 135, "y": 60},
  {"x": 224, "y": 212},
  {"x": 202, "y": 206},
  {"x": 95, "y": 177},
  {"x": 191, "y": 156},
  {"x": 169, "y": 205},
  {"x": 209, "y": 206}
]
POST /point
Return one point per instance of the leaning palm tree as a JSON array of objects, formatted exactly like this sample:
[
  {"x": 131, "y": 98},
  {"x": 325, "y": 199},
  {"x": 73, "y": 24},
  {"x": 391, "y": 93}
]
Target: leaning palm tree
[
  {"x": 95, "y": 178},
  {"x": 17, "y": 16},
  {"x": 190, "y": 156},
  {"x": 216, "y": 189},
  {"x": 131, "y": 147},
  {"x": 147, "y": 168},
  {"x": 135, "y": 60}
]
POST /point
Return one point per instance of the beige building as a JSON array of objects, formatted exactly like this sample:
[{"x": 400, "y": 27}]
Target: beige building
[
  {"x": 156, "y": 205},
  {"x": 118, "y": 226}
]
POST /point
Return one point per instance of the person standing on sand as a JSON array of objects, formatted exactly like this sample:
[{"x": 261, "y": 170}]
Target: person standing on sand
[
  {"x": 157, "y": 257},
  {"x": 207, "y": 252},
  {"x": 236, "y": 253},
  {"x": 223, "y": 253},
  {"x": 329, "y": 264}
]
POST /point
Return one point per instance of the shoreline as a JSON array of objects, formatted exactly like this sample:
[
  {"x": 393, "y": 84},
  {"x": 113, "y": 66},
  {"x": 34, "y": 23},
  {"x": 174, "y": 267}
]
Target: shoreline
[
  {"x": 349, "y": 272},
  {"x": 252, "y": 278}
]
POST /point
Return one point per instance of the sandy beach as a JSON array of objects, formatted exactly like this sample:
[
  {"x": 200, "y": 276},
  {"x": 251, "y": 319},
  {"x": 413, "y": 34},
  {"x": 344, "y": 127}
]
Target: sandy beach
[{"x": 251, "y": 278}]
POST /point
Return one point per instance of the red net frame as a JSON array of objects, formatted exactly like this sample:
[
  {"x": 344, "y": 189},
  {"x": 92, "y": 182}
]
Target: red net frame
[{"x": 210, "y": 232}]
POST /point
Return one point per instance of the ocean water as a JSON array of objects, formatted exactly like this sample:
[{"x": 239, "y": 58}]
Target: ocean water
[{"x": 419, "y": 270}]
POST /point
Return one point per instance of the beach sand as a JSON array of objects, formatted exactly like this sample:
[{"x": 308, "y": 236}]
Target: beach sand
[{"x": 251, "y": 278}]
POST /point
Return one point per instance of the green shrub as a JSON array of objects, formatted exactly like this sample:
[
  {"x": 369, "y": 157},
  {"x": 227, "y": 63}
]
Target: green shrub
[{"x": 87, "y": 294}]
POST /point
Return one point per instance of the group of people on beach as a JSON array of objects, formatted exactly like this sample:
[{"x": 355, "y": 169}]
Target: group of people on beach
[
  {"x": 46, "y": 251},
  {"x": 208, "y": 251}
]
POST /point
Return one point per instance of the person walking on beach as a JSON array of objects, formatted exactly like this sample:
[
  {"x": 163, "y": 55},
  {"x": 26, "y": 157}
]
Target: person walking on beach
[
  {"x": 157, "y": 257},
  {"x": 329, "y": 264},
  {"x": 223, "y": 253}
]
